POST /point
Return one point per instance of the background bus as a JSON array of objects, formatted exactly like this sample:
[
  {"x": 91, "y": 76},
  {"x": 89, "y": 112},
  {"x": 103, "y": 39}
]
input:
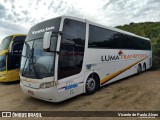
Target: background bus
[
  {"x": 66, "y": 56},
  {"x": 10, "y": 56}
]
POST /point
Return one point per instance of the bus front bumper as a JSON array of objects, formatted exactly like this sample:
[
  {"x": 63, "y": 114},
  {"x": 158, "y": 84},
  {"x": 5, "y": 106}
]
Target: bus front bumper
[{"x": 47, "y": 94}]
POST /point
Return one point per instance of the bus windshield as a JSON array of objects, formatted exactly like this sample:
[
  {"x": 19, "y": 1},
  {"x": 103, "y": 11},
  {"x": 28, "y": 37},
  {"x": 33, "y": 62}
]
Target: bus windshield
[
  {"x": 2, "y": 63},
  {"x": 35, "y": 62},
  {"x": 5, "y": 43}
]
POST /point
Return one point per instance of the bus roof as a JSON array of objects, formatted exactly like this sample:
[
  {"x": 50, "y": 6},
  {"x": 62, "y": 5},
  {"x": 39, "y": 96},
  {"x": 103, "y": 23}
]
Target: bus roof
[
  {"x": 15, "y": 35},
  {"x": 18, "y": 35}
]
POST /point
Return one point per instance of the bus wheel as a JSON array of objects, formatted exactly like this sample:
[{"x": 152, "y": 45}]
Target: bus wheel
[
  {"x": 144, "y": 67},
  {"x": 91, "y": 84},
  {"x": 139, "y": 69}
]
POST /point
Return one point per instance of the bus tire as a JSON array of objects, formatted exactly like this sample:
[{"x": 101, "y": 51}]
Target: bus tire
[
  {"x": 144, "y": 66},
  {"x": 91, "y": 84},
  {"x": 139, "y": 69}
]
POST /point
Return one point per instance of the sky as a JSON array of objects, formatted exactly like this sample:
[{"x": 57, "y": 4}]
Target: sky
[{"x": 17, "y": 16}]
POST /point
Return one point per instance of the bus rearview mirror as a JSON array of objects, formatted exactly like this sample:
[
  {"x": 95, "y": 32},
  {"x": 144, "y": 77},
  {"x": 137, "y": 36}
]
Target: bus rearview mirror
[{"x": 47, "y": 40}]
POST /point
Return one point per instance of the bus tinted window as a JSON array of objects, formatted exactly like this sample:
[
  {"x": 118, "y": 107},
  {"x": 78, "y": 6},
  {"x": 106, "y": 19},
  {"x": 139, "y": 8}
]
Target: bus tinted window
[
  {"x": 72, "y": 48},
  {"x": 104, "y": 38},
  {"x": 17, "y": 46},
  {"x": 13, "y": 62},
  {"x": 19, "y": 38}
]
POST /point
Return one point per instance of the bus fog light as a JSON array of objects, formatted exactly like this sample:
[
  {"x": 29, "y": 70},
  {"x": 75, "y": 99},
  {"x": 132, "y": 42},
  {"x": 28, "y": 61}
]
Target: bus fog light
[{"x": 47, "y": 85}]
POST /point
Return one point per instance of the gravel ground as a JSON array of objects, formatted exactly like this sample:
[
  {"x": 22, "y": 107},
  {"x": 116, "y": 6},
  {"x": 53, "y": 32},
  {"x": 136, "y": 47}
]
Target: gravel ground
[{"x": 135, "y": 93}]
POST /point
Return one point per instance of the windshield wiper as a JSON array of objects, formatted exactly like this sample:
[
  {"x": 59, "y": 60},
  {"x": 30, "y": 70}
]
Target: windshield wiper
[
  {"x": 27, "y": 56},
  {"x": 34, "y": 69},
  {"x": 30, "y": 57}
]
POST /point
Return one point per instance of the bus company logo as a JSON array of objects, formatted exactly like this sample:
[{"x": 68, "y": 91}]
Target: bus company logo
[
  {"x": 110, "y": 58},
  {"x": 122, "y": 56},
  {"x": 71, "y": 86},
  {"x": 120, "y": 52},
  {"x": 43, "y": 30}
]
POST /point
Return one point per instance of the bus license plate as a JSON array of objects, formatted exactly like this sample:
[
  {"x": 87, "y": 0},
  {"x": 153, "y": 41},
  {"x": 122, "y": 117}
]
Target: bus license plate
[{"x": 30, "y": 92}]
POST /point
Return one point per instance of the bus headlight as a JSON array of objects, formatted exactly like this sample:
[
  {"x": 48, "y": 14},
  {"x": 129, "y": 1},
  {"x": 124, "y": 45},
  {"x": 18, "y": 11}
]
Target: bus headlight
[
  {"x": 47, "y": 85},
  {"x": 2, "y": 75}
]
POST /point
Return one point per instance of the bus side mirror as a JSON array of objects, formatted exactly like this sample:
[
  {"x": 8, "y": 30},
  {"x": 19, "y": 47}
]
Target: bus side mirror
[{"x": 47, "y": 40}]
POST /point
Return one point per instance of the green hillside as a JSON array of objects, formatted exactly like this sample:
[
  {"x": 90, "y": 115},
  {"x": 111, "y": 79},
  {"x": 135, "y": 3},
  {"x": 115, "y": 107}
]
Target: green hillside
[{"x": 150, "y": 30}]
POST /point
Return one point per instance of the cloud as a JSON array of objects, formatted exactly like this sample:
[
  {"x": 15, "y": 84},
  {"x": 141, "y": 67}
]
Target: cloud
[
  {"x": 22, "y": 14},
  {"x": 7, "y": 29},
  {"x": 2, "y": 11},
  {"x": 123, "y": 12}
]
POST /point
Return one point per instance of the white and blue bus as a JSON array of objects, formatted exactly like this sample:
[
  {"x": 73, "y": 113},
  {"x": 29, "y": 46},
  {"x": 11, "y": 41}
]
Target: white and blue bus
[{"x": 67, "y": 56}]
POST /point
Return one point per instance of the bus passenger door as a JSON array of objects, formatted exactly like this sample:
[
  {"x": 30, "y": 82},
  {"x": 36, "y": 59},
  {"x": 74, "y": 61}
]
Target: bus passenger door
[
  {"x": 70, "y": 77},
  {"x": 67, "y": 64}
]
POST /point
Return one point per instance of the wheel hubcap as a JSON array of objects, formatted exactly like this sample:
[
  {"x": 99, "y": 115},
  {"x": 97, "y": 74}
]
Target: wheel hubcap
[
  {"x": 91, "y": 83},
  {"x": 139, "y": 69},
  {"x": 144, "y": 67}
]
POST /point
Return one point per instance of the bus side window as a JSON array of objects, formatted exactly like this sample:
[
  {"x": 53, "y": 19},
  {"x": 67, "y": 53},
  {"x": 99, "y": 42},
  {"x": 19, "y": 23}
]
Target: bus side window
[{"x": 71, "y": 49}]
